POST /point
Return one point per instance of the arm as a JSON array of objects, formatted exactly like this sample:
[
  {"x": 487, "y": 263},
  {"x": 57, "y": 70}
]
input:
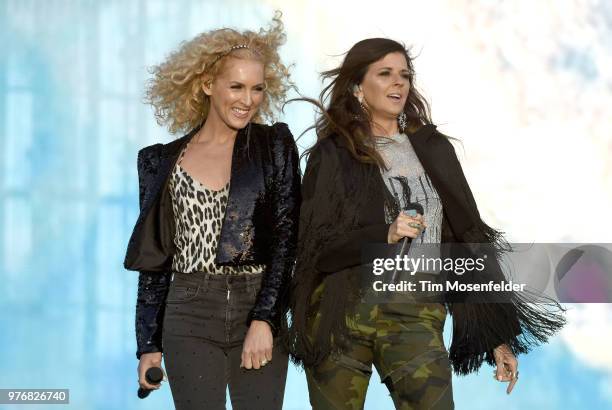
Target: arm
[
  {"x": 285, "y": 202},
  {"x": 152, "y": 291},
  {"x": 490, "y": 324},
  {"x": 152, "y": 286},
  {"x": 344, "y": 251}
]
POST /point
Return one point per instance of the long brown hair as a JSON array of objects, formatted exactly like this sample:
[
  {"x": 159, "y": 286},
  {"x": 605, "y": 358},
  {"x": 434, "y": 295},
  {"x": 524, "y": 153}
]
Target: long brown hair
[{"x": 345, "y": 117}]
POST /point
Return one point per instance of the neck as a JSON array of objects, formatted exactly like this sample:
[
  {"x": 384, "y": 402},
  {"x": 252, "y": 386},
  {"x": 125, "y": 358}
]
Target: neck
[
  {"x": 215, "y": 130},
  {"x": 384, "y": 126}
]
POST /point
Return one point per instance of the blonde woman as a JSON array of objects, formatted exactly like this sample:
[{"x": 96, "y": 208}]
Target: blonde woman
[{"x": 215, "y": 239}]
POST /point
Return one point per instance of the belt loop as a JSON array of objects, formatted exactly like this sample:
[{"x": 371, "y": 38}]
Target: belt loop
[{"x": 205, "y": 281}]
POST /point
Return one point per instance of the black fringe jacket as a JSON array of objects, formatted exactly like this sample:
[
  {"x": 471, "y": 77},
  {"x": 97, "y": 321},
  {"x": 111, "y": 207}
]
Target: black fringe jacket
[{"x": 342, "y": 209}]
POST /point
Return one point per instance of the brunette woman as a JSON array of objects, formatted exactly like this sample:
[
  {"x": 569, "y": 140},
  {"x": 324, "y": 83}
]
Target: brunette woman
[{"x": 378, "y": 154}]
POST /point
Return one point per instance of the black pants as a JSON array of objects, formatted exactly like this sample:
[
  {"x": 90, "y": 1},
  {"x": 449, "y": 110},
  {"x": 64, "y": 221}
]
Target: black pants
[{"x": 203, "y": 333}]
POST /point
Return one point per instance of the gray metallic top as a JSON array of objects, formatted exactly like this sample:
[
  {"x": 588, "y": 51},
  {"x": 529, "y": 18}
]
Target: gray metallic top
[{"x": 407, "y": 181}]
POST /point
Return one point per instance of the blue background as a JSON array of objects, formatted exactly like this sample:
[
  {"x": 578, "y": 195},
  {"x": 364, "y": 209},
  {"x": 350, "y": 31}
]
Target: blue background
[{"x": 71, "y": 121}]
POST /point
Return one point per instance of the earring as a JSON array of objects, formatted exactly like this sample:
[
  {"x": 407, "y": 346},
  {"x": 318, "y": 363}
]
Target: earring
[
  {"x": 359, "y": 116},
  {"x": 402, "y": 121},
  {"x": 356, "y": 88},
  {"x": 363, "y": 107}
]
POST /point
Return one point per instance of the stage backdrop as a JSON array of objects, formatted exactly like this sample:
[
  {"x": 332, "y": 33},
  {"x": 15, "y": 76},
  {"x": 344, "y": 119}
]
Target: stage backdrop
[{"x": 525, "y": 85}]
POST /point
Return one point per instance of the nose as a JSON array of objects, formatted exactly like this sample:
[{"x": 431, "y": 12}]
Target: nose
[
  {"x": 399, "y": 80},
  {"x": 247, "y": 98}
]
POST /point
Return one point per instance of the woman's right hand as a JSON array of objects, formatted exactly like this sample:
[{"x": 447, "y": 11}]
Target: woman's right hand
[
  {"x": 148, "y": 360},
  {"x": 400, "y": 228}
]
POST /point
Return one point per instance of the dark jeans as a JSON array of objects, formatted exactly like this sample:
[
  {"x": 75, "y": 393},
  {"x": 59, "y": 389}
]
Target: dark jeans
[{"x": 204, "y": 329}]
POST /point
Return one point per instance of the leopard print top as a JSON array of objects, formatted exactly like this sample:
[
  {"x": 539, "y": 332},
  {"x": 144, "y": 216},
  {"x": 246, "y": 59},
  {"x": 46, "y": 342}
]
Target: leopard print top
[{"x": 198, "y": 213}]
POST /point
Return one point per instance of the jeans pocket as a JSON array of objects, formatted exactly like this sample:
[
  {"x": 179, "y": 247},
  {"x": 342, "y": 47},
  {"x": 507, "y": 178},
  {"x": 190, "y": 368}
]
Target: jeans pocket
[{"x": 182, "y": 293}]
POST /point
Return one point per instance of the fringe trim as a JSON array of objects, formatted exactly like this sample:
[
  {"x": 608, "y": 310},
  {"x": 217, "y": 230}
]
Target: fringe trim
[{"x": 478, "y": 328}]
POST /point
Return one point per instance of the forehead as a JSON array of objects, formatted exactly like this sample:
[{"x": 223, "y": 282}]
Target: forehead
[
  {"x": 393, "y": 60},
  {"x": 245, "y": 70}
]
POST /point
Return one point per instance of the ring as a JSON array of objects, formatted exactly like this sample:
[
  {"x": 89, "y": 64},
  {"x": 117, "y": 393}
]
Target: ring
[{"x": 415, "y": 225}]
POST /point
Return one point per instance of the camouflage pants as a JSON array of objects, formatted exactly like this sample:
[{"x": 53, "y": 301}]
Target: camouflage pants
[{"x": 404, "y": 342}]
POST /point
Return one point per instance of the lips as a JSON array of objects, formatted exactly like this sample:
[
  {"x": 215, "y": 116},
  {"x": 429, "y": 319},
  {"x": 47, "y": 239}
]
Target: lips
[
  {"x": 240, "y": 113},
  {"x": 395, "y": 97}
]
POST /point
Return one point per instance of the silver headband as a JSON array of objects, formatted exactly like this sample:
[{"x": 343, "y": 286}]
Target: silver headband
[{"x": 232, "y": 48}]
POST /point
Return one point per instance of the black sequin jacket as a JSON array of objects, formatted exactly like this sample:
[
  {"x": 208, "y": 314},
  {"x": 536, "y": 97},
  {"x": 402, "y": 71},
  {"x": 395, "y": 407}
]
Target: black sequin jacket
[{"x": 259, "y": 227}]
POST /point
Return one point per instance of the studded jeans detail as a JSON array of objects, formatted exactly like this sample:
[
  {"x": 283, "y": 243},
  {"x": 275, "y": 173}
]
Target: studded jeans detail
[{"x": 203, "y": 333}]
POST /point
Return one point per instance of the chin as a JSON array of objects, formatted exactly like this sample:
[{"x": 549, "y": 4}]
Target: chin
[
  {"x": 395, "y": 111},
  {"x": 391, "y": 111},
  {"x": 237, "y": 124}
]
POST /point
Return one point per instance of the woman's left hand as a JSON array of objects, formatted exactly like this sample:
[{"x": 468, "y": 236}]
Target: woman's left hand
[
  {"x": 257, "y": 346},
  {"x": 507, "y": 366}
]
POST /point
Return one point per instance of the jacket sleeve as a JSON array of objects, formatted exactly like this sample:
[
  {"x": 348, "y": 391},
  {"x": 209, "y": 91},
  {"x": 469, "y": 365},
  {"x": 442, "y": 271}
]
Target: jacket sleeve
[
  {"x": 152, "y": 286},
  {"x": 482, "y": 321},
  {"x": 285, "y": 199},
  {"x": 344, "y": 251},
  {"x": 150, "y": 304}
]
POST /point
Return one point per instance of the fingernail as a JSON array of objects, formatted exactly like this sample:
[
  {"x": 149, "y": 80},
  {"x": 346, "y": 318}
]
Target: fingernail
[{"x": 499, "y": 378}]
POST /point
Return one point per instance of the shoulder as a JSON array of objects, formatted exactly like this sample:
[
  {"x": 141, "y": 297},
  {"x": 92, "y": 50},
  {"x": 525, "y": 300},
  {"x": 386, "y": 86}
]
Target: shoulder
[
  {"x": 277, "y": 129},
  {"x": 148, "y": 158},
  {"x": 328, "y": 145},
  {"x": 441, "y": 143},
  {"x": 440, "y": 138},
  {"x": 159, "y": 149},
  {"x": 324, "y": 151},
  {"x": 277, "y": 136},
  {"x": 150, "y": 151},
  {"x": 280, "y": 133},
  {"x": 442, "y": 150}
]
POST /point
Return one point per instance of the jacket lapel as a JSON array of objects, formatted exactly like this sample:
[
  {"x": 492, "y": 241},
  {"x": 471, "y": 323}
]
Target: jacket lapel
[
  {"x": 436, "y": 158},
  {"x": 168, "y": 157},
  {"x": 241, "y": 198}
]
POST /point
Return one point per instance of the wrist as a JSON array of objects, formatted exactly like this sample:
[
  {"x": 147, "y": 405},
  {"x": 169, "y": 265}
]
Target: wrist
[{"x": 261, "y": 323}]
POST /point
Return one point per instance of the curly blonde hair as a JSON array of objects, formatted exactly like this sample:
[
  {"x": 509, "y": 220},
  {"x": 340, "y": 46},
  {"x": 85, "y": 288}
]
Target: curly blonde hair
[{"x": 176, "y": 93}]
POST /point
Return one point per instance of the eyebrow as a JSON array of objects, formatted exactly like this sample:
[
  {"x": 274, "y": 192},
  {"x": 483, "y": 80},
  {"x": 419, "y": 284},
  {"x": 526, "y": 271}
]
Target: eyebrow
[
  {"x": 391, "y": 68},
  {"x": 239, "y": 83}
]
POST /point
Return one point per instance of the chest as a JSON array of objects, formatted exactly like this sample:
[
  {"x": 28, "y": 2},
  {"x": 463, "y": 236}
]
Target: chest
[{"x": 209, "y": 164}]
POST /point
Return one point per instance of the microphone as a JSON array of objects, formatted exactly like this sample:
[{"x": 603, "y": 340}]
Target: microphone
[
  {"x": 153, "y": 375},
  {"x": 412, "y": 208}
]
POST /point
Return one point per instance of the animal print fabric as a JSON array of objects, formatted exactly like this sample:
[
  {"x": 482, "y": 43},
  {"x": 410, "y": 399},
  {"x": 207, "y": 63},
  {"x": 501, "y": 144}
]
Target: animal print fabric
[{"x": 198, "y": 213}]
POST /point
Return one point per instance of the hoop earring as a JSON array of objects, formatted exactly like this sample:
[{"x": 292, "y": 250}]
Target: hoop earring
[{"x": 402, "y": 121}]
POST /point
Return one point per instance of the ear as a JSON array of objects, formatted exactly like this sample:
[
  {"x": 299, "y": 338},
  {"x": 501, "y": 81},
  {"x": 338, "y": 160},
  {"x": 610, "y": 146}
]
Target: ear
[
  {"x": 357, "y": 91},
  {"x": 207, "y": 86}
]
